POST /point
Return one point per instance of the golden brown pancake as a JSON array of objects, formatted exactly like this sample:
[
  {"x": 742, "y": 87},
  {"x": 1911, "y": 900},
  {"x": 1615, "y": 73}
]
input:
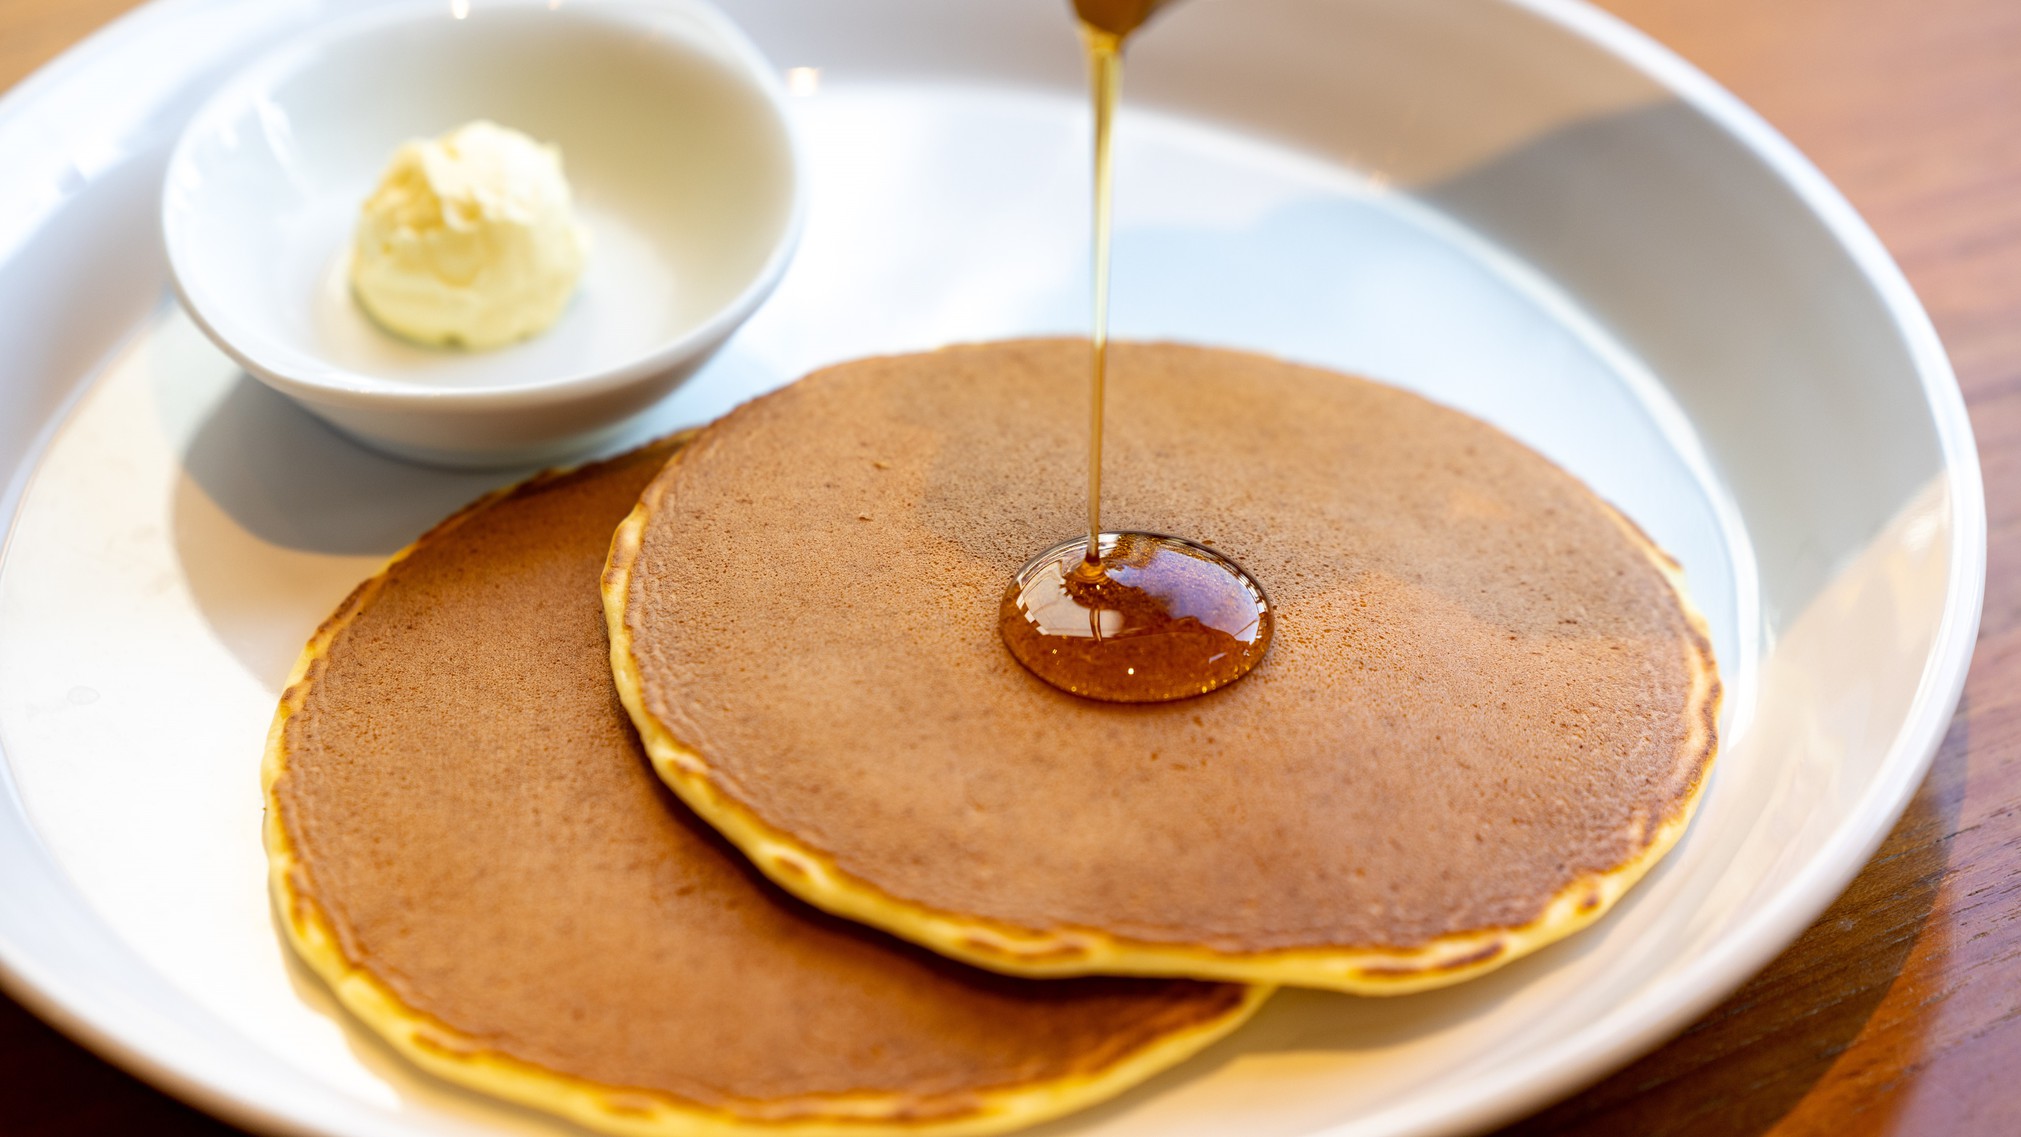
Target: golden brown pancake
[
  {"x": 1487, "y": 710},
  {"x": 468, "y": 843}
]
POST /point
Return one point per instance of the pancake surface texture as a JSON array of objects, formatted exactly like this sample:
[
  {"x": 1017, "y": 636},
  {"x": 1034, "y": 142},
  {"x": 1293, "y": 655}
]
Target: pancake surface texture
[
  {"x": 469, "y": 844},
  {"x": 1486, "y": 712}
]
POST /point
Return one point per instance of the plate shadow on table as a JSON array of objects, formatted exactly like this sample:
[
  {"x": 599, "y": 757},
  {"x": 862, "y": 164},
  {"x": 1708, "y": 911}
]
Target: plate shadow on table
[
  {"x": 54, "y": 1087},
  {"x": 1751, "y": 1061}
]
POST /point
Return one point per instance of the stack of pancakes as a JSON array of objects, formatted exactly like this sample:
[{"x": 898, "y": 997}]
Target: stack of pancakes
[{"x": 899, "y": 884}]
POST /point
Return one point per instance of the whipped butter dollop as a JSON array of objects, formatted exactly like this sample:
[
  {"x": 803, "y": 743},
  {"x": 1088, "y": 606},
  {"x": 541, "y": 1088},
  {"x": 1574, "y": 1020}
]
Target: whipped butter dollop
[{"x": 470, "y": 239}]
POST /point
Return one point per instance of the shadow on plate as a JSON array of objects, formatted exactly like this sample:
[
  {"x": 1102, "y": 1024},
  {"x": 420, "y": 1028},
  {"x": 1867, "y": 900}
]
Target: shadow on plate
[
  {"x": 290, "y": 480},
  {"x": 277, "y": 517}
]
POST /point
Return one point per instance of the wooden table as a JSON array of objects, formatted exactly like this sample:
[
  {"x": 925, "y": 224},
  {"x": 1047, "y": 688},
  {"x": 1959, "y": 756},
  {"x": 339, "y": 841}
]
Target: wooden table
[{"x": 1900, "y": 1010}]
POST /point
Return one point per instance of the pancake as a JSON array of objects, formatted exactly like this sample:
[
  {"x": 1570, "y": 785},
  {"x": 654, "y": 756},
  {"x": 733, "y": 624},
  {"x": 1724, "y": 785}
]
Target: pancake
[
  {"x": 468, "y": 843},
  {"x": 1486, "y": 712}
]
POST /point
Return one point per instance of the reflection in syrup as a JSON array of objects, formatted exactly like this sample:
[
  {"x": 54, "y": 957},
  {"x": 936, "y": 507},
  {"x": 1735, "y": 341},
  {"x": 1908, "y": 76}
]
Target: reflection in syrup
[
  {"x": 1128, "y": 617},
  {"x": 1155, "y": 620}
]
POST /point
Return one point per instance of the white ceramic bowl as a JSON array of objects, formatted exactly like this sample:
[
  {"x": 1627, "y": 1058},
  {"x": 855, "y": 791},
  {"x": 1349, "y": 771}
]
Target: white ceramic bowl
[{"x": 673, "y": 131}]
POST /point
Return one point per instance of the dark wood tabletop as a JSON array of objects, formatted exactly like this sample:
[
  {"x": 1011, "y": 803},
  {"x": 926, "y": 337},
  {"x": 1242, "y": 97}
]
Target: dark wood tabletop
[{"x": 1899, "y": 1011}]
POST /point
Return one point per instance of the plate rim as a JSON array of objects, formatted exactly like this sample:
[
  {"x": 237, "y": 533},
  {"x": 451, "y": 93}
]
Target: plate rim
[
  {"x": 1742, "y": 953},
  {"x": 107, "y": 1026}
]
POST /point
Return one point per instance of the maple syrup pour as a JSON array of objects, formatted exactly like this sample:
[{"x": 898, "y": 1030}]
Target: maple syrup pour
[
  {"x": 1127, "y": 617},
  {"x": 1156, "y": 618},
  {"x": 1105, "y": 67}
]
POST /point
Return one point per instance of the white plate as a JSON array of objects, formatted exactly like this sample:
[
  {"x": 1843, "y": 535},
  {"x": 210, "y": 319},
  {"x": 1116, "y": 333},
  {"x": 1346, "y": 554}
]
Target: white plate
[{"x": 1517, "y": 206}]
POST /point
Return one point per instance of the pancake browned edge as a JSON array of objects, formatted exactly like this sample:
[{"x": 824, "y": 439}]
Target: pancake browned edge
[
  {"x": 816, "y": 877},
  {"x": 476, "y": 1062}
]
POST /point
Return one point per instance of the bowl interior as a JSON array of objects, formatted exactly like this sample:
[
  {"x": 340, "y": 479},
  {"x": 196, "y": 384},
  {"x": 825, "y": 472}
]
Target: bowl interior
[{"x": 677, "y": 152}]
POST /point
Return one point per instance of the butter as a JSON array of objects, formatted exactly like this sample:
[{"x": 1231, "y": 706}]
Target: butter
[{"x": 470, "y": 239}]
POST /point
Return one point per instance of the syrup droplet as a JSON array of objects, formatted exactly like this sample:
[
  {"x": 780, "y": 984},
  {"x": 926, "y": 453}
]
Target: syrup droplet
[
  {"x": 1117, "y": 17},
  {"x": 1158, "y": 618},
  {"x": 1149, "y": 618}
]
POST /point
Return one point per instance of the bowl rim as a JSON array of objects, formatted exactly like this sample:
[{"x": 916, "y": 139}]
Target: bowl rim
[{"x": 329, "y": 384}]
